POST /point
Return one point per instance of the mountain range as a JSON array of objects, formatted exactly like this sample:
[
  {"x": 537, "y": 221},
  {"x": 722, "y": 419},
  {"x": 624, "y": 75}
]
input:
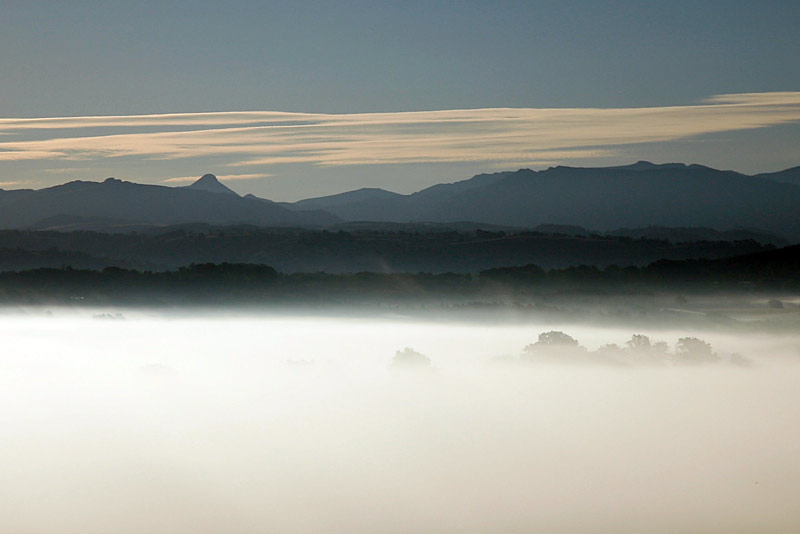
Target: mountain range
[
  {"x": 117, "y": 205},
  {"x": 642, "y": 194},
  {"x": 638, "y": 195}
]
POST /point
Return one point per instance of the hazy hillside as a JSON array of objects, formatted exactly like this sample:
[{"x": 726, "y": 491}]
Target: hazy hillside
[
  {"x": 787, "y": 176},
  {"x": 404, "y": 248},
  {"x": 699, "y": 233},
  {"x": 365, "y": 195}
]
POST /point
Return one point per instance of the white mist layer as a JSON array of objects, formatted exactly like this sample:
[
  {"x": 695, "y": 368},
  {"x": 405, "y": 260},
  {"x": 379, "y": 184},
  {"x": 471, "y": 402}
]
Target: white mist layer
[{"x": 265, "y": 424}]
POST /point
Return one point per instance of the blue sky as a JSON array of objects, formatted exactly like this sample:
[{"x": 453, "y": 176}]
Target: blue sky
[{"x": 85, "y": 59}]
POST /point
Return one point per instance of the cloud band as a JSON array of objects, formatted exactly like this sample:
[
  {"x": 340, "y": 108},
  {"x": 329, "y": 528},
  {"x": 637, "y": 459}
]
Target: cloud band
[{"x": 263, "y": 138}]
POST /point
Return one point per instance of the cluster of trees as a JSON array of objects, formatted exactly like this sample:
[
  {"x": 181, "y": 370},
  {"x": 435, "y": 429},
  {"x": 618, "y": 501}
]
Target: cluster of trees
[
  {"x": 558, "y": 346},
  {"x": 199, "y": 281},
  {"x": 408, "y": 358},
  {"x": 774, "y": 269}
]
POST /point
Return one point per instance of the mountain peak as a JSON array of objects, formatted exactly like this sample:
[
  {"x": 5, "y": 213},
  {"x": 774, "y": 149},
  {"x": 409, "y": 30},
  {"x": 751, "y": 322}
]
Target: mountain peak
[{"x": 209, "y": 183}]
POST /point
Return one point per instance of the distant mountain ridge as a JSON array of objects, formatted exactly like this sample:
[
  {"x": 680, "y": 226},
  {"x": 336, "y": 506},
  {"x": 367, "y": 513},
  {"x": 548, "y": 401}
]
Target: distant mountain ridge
[
  {"x": 131, "y": 203},
  {"x": 639, "y": 195}
]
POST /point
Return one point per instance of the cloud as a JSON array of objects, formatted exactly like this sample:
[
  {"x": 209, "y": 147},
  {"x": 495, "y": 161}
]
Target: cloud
[
  {"x": 225, "y": 178},
  {"x": 260, "y": 138},
  {"x": 67, "y": 170},
  {"x": 29, "y": 153},
  {"x": 254, "y": 176}
]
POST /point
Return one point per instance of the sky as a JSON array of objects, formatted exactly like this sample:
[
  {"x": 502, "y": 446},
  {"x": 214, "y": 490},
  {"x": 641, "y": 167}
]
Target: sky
[{"x": 289, "y": 100}]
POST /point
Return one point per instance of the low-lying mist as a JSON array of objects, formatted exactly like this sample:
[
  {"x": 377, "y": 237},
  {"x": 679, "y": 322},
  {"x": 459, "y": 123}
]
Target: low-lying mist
[{"x": 137, "y": 421}]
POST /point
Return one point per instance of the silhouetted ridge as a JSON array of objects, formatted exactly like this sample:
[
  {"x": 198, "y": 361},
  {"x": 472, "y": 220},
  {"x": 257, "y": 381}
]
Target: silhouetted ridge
[
  {"x": 639, "y": 195},
  {"x": 141, "y": 204}
]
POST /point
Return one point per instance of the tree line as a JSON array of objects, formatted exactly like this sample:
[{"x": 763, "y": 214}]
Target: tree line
[{"x": 773, "y": 270}]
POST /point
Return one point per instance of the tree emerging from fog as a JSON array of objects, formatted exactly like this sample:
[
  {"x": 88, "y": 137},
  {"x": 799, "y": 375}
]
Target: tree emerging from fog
[
  {"x": 553, "y": 343},
  {"x": 408, "y": 358},
  {"x": 694, "y": 350}
]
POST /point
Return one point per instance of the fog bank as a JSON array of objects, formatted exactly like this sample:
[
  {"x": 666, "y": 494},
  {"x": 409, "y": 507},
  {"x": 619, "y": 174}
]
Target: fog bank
[{"x": 299, "y": 424}]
